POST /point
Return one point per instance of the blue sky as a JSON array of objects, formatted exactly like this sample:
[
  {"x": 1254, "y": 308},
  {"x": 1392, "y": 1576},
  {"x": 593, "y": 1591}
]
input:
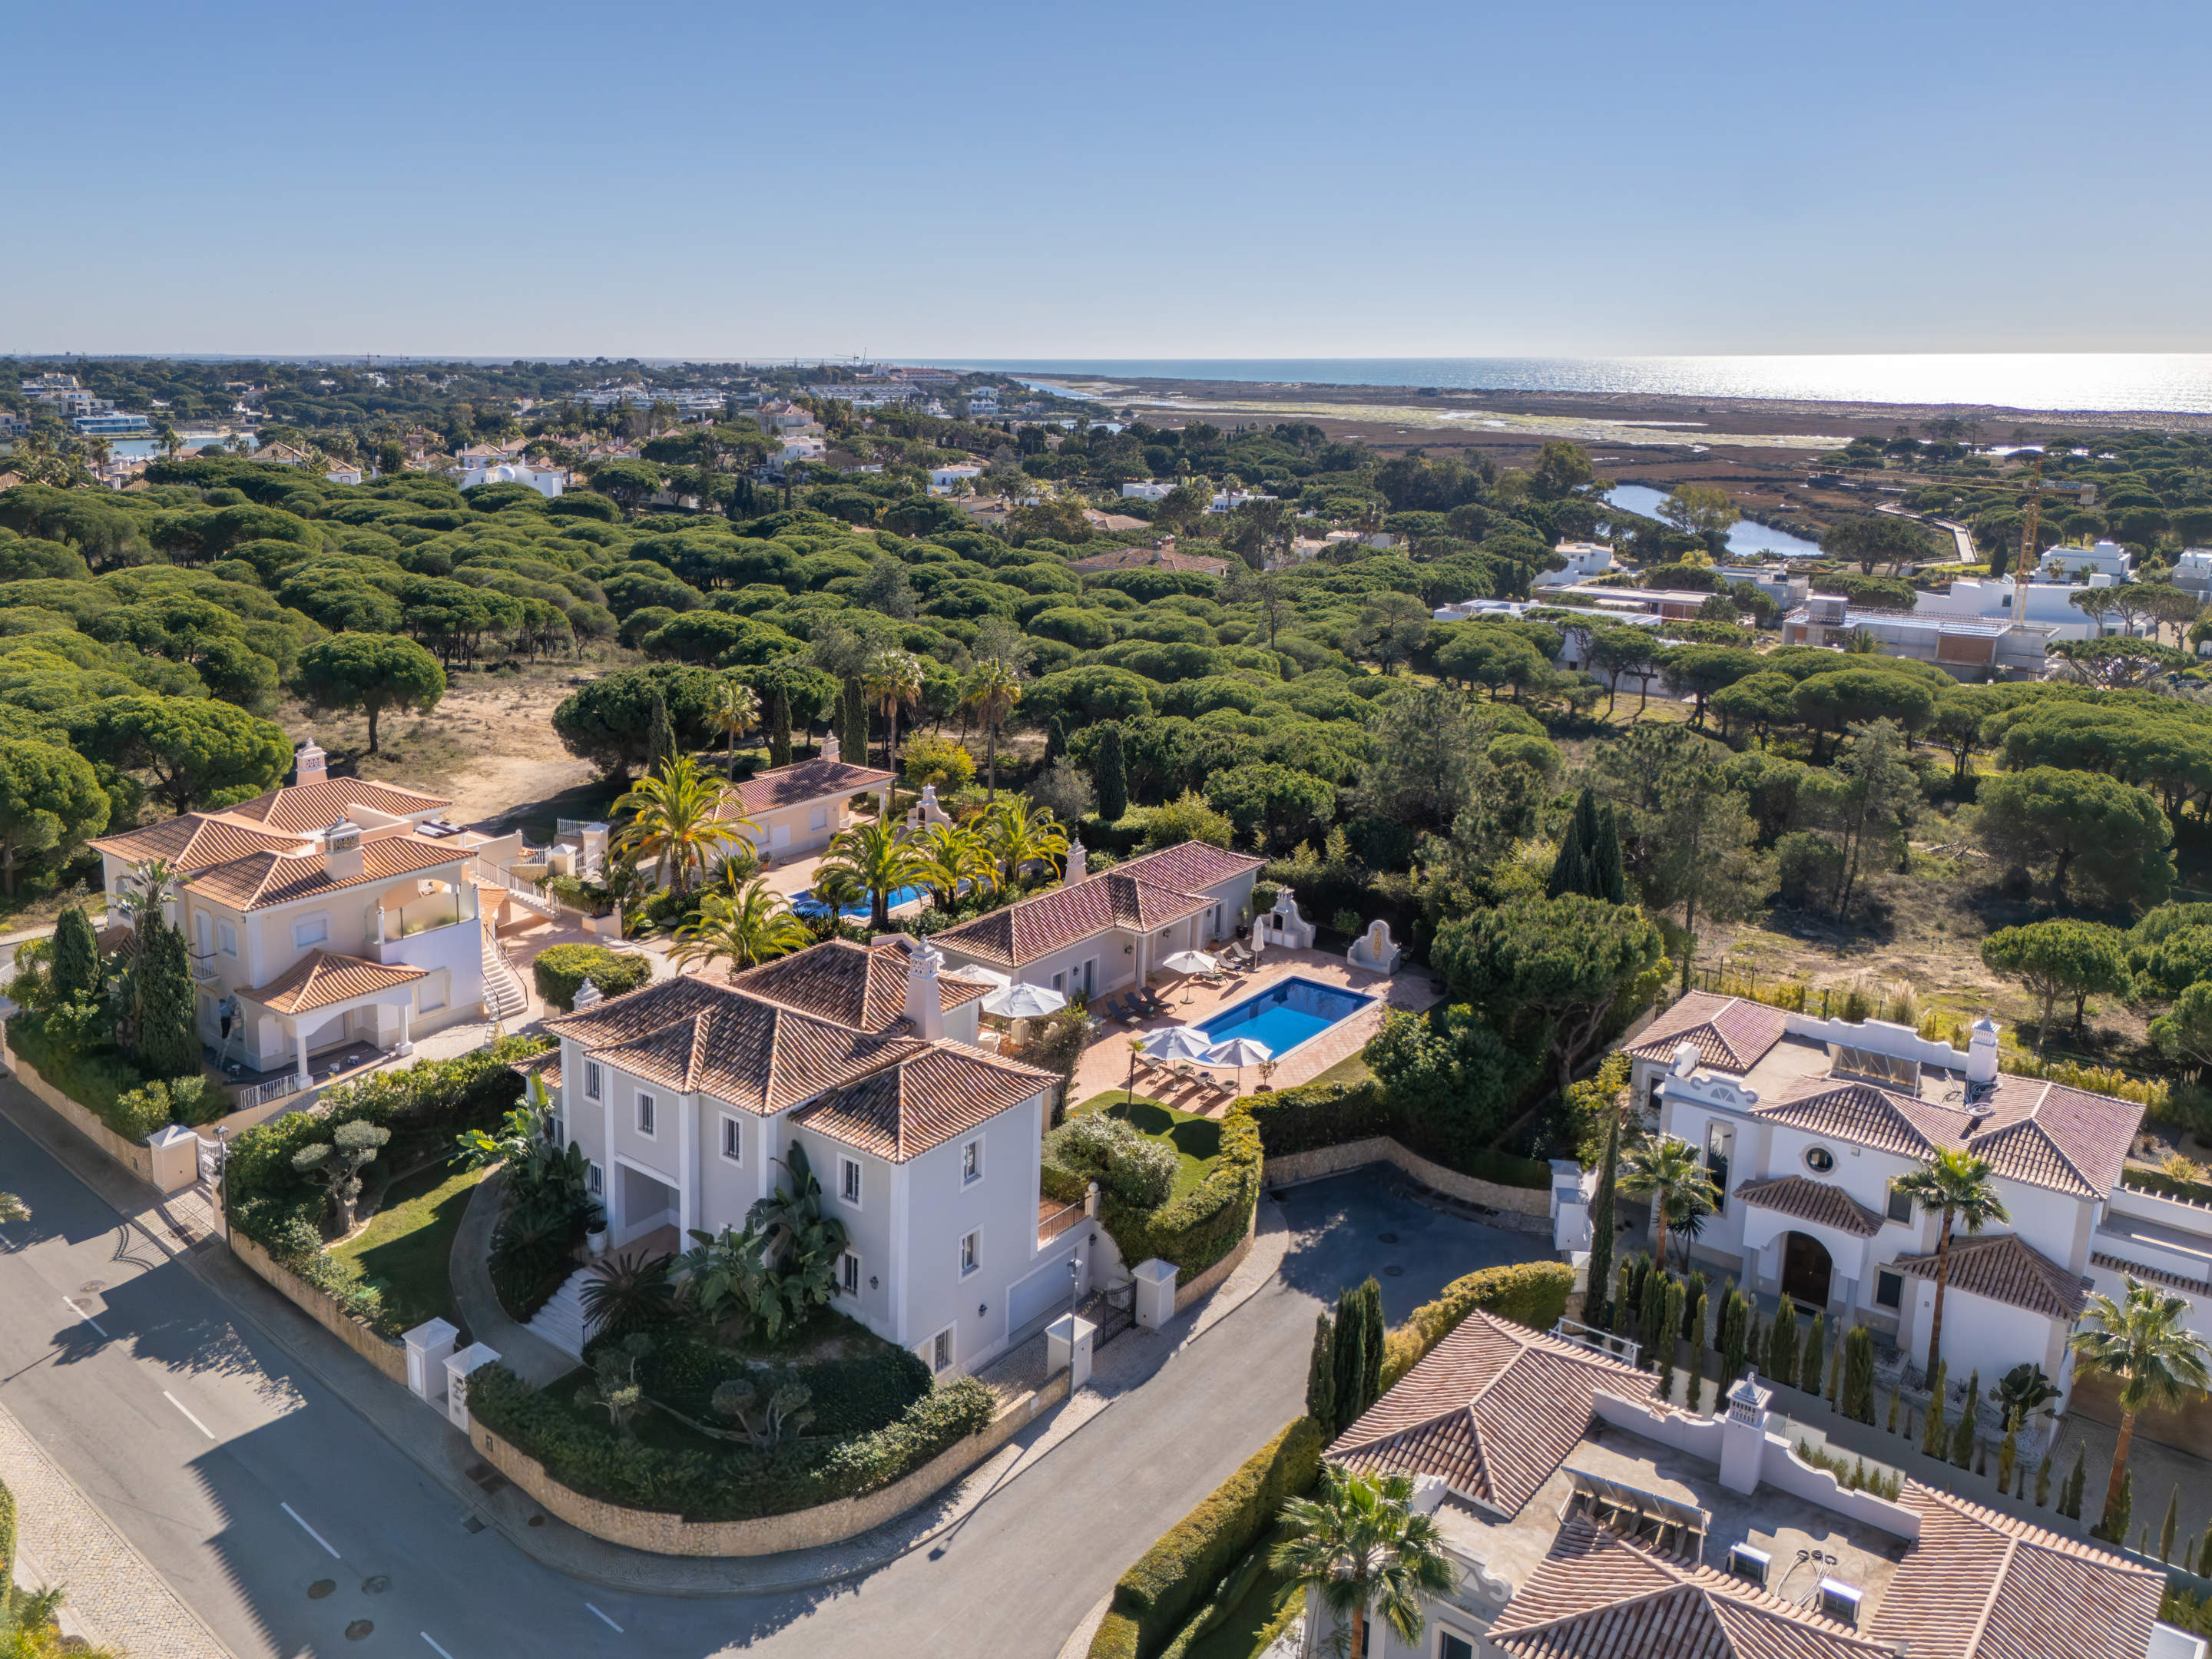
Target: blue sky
[{"x": 1131, "y": 181}]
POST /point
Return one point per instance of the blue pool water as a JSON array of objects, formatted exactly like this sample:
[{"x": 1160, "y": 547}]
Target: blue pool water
[
  {"x": 1286, "y": 1014},
  {"x": 807, "y": 905}
]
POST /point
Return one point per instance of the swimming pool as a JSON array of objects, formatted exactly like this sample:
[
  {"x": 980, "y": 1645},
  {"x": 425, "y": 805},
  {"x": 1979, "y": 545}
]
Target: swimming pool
[
  {"x": 1286, "y": 1014},
  {"x": 807, "y": 905}
]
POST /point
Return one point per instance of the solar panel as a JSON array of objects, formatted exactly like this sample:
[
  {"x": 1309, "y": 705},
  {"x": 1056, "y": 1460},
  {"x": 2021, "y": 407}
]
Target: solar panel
[
  {"x": 1890, "y": 1071},
  {"x": 1665, "y": 1524}
]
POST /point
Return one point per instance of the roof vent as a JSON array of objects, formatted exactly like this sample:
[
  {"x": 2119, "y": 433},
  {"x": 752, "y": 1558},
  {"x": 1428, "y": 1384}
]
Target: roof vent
[
  {"x": 1748, "y": 1564},
  {"x": 1840, "y": 1601}
]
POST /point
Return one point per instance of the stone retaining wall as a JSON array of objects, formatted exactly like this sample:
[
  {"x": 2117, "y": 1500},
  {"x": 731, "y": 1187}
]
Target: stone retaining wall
[
  {"x": 388, "y": 1358},
  {"x": 1296, "y": 1167},
  {"x": 1209, "y": 1281},
  {"x": 833, "y": 1522},
  {"x": 134, "y": 1156}
]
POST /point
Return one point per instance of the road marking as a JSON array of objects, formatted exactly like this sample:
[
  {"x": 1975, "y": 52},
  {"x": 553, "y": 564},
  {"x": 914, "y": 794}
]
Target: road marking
[
  {"x": 194, "y": 1421},
  {"x": 435, "y": 1648},
  {"x": 325, "y": 1543},
  {"x": 85, "y": 1317},
  {"x": 604, "y": 1620}
]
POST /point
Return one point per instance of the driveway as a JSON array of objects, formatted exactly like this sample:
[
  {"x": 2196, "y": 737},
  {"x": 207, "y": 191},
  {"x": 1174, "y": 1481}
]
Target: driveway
[{"x": 220, "y": 1501}]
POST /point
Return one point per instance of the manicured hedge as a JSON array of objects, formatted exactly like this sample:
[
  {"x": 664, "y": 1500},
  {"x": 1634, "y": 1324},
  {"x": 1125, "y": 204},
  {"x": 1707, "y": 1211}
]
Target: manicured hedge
[
  {"x": 561, "y": 969},
  {"x": 1321, "y": 1114},
  {"x": 7, "y": 1545},
  {"x": 97, "y": 1081},
  {"x": 587, "y": 1456},
  {"x": 1197, "y": 1230},
  {"x": 851, "y": 1396},
  {"x": 1155, "y": 1596},
  {"x": 1532, "y": 1293}
]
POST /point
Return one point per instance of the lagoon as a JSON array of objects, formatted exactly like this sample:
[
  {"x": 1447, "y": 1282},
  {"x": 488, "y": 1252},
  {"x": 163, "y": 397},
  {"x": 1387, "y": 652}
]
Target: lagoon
[{"x": 1745, "y": 540}]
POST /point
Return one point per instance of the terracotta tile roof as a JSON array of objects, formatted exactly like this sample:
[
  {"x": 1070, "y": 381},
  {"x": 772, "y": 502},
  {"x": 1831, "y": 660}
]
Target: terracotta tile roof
[
  {"x": 1037, "y": 926},
  {"x": 1816, "y": 1201},
  {"x": 1873, "y": 1117},
  {"x": 1730, "y": 1034},
  {"x": 923, "y": 1100},
  {"x": 2165, "y": 1276},
  {"x": 1598, "y": 1596},
  {"x": 751, "y": 1054},
  {"x": 859, "y": 985},
  {"x": 1188, "y": 866},
  {"x": 300, "y": 808},
  {"x": 261, "y": 879},
  {"x": 2005, "y": 1267},
  {"x": 810, "y": 780},
  {"x": 1983, "y": 1585},
  {"x": 323, "y": 977},
  {"x": 2050, "y": 1136},
  {"x": 1495, "y": 1408},
  {"x": 196, "y": 840}
]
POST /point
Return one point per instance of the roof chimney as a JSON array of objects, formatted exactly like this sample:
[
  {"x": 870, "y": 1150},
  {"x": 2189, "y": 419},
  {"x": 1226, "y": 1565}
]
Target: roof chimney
[
  {"x": 309, "y": 764},
  {"x": 1077, "y": 863},
  {"x": 1982, "y": 1054},
  {"x": 341, "y": 853},
  {"x": 925, "y": 1008},
  {"x": 1685, "y": 1060},
  {"x": 830, "y": 746}
]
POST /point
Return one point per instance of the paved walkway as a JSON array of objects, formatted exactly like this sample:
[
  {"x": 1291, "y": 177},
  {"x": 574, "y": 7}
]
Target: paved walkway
[{"x": 528, "y": 1355}]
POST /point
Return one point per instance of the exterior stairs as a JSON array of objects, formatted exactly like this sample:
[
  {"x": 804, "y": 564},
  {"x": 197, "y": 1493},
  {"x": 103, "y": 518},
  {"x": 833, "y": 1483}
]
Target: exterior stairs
[
  {"x": 504, "y": 999},
  {"x": 561, "y": 1322}
]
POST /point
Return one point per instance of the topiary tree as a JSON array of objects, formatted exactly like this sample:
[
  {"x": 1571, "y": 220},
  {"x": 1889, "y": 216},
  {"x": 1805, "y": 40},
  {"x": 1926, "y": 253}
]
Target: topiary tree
[{"x": 337, "y": 1164}]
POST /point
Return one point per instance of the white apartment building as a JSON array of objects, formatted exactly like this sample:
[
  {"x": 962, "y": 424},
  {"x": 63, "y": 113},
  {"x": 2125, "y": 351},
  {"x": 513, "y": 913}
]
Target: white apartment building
[
  {"x": 1584, "y": 561},
  {"x": 2106, "y": 558},
  {"x": 1806, "y": 1126},
  {"x": 687, "y": 1098}
]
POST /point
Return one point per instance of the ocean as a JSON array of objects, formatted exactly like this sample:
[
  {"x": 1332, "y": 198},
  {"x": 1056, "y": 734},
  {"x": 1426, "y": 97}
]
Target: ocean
[{"x": 2164, "y": 383}]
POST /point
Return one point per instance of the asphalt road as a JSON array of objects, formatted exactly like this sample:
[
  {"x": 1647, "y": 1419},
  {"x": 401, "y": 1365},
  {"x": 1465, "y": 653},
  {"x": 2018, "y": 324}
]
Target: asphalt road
[{"x": 289, "y": 1523}]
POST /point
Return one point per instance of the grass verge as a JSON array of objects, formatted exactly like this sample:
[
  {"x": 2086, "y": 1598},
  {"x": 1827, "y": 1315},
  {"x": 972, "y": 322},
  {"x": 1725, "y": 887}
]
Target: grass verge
[
  {"x": 1196, "y": 1141},
  {"x": 406, "y": 1248}
]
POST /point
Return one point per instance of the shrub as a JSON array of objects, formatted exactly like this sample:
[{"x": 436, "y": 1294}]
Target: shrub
[
  {"x": 1197, "y": 1230},
  {"x": 1130, "y": 1165},
  {"x": 1157, "y": 1593},
  {"x": 74, "y": 1059},
  {"x": 1531, "y": 1293},
  {"x": 1317, "y": 1116},
  {"x": 561, "y": 969},
  {"x": 142, "y": 1112},
  {"x": 850, "y": 1396}
]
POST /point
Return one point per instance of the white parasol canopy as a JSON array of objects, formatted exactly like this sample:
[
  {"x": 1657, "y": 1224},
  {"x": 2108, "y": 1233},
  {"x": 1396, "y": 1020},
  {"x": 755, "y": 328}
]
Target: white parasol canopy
[
  {"x": 1190, "y": 962},
  {"x": 1178, "y": 1042},
  {"x": 1239, "y": 1052},
  {"x": 1023, "y": 1001}
]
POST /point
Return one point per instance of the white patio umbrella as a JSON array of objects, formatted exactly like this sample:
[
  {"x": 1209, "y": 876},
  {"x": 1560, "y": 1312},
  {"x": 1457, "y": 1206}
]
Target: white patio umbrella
[
  {"x": 1239, "y": 1052},
  {"x": 1178, "y": 1042},
  {"x": 1189, "y": 961},
  {"x": 1023, "y": 1001},
  {"x": 990, "y": 976}
]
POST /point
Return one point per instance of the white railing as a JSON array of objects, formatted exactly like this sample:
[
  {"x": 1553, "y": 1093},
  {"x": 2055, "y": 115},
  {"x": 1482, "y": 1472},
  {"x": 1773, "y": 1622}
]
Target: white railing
[
  {"x": 523, "y": 888},
  {"x": 260, "y": 1094}
]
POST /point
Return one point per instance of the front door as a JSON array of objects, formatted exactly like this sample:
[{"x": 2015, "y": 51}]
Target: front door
[{"x": 1806, "y": 1270}]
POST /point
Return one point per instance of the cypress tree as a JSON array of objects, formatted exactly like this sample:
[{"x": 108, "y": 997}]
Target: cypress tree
[
  {"x": 1855, "y": 1395},
  {"x": 659, "y": 738},
  {"x": 2043, "y": 1484},
  {"x": 1321, "y": 1377},
  {"x": 1735, "y": 1333},
  {"x": 2165, "y": 1527},
  {"x": 1814, "y": 1362},
  {"x": 2069, "y": 1492},
  {"x": 1345, "y": 1358},
  {"x": 168, "y": 1046},
  {"x": 1640, "y": 1276},
  {"x": 1652, "y": 1320},
  {"x": 1673, "y": 1325},
  {"x": 853, "y": 740},
  {"x": 1055, "y": 739},
  {"x": 1371, "y": 1333},
  {"x": 2008, "y": 1450},
  {"x": 1602, "y": 1203},
  {"x": 1699, "y": 1346},
  {"x": 77, "y": 955},
  {"x": 778, "y": 711},
  {"x": 1623, "y": 1307},
  {"x": 1896, "y": 1399},
  {"x": 1782, "y": 1347},
  {"x": 1933, "y": 1439},
  {"x": 1569, "y": 872},
  {"x": 1109, "y": 774},
  {"x": 2113, "y": 1528},
  {"x": 1604, "y": 875},
  {"x": 1962, "y": 1436},
  {"x": 2204, "y": 1556}
]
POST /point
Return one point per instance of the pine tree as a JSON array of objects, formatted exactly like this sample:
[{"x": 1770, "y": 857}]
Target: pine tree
[
  {"x": 1569, "y": 874},
  {"x": 1782, "y": 1347},
  {"x": 1962, "y": 1436},
  {"x": 659, "y": 738},
  {"x": 1933, "y": 1438},
  {"x": 1673, "y": 1323},
  {"x": 1602, "y": 1224},
  {"x": 1109, "y": 774},
  {"x": 1321, "y": 1377},
  {"x": 1604, "y": 875},
  {"x": 1700, "y": 1346},
  {"x": 168, "y": 1045},
  {"x": 1812, "y": 1362},
  {"x": 2165, "y": 1527},
  {"x": 77, "y": 956}
]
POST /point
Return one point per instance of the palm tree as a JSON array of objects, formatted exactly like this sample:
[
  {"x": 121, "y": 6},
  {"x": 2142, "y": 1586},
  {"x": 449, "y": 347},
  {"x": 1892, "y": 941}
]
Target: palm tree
[
  {"x": 736, "y": 711},
  {"x": 892, "y": 678},
  {"x": 1958, "y": 1183},
  {"x": 874, "y": 858},
  {"x": 13, "y": 1209},
  {"x": 2143, "y": 1344},
  {"x": 1667, "y": 1170},
  {"x": 680, "y": 815},
  {"x": 757, "y": 926},
  {"x": 951, "y": 855},
  {"x": 1017, "y": 833},
  {"x": 1359, "y": 1545},
  {"x": 153, "y": 882},
  {"x": 992, "y": 690}
]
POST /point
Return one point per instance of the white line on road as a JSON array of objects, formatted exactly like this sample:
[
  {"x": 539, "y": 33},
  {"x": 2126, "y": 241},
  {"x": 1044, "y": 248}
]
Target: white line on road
[
  {"x": 196, "y": 1423},
  {"x": 604, "y": 1620},
  {"x": 435, "y": 1648},
  {"x": 82, "y": 1314},
  {"x": 324, "y": 1543}
]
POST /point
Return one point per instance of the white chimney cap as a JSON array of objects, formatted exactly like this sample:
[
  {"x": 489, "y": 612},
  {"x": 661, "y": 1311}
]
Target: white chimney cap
[
  {"x": 1686, "y": 1059},
  {"x": 1985, "y": 1024}
]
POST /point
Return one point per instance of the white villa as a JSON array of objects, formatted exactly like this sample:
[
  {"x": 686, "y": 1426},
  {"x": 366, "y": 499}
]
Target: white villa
[
  {"x": 1807, "y": 1124},
  {"x": 687, "y": 1096},
  {"x": 802, "y": 807}
]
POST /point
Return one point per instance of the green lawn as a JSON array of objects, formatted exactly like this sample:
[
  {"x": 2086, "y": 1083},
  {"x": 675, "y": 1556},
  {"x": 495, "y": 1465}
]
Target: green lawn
[
  {"x": 404, "y": 1251},
  {"x": 1251, "y": 1626},
  {"x": 1196, "y": 1141},
  {"x": 1351, "y": 1072}
]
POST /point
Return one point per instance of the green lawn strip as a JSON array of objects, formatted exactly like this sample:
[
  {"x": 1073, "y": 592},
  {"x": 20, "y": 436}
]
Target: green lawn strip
[
  {"x": 1196, "y": 1141},
  {"x": 405, "y": 1249},
  {"x": 1253, "y": 1624},
  {"x": 1352, "y": 1070}
]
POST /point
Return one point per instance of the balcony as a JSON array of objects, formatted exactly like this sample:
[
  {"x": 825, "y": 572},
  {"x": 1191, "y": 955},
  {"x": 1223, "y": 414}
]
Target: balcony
[
  {"x": 205, "y": 971},
  {"x": 445, "y": 906}
]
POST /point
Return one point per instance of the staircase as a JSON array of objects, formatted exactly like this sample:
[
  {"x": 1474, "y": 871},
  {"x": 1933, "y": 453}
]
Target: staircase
[
  {"x": 561, "y": 1320},
  {"x": 504, "y": 999},
  {"x": 523, "y": 891}
]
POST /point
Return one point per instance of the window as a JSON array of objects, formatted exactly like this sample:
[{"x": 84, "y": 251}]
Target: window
[
  {"x": 1450, "y": 1646},
  {"x": 1719, "y": 1140},
  {"x": 1819, "y": 1160},
  {"x": 595, "y": 1179},
  {"x": 848, "y": 1180},
  {"x": 818, "y": 818},
  {"x": 733, "y": 1146},
  {"x": 560, "y": 1130},
  {"x": 1060, "y": 983},
  {"x": 645, "y": 1107},
  {"x": 940, "y": 1350},
  {"x": 971, "y": 1163},
  {"x": 226, "y": 938},
  {"x": 848, "y": 1274},
  {"x": 971, "y": 1253},
  {"x": 591, "y": 1079},
  {"x": 1901, "y": 1204},
  {"x": 1889, "y": 1290},
  {"x": 312, "y": 931}
]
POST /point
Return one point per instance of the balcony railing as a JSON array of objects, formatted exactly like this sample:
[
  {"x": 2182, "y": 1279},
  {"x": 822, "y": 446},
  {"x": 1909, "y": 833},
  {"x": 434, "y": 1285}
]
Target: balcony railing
[
  {"x": 1050, "y": 1227},
  {"x": 203, "y": 969}
]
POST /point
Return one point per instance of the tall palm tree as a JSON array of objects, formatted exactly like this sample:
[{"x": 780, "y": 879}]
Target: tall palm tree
[
  {"x": 679, "y": 817},
  {"x": 874, "y": 858},
  {"x": 1958, "y": 1183},
  {"x": 2143, "y": 1345},
  {"x": 992, "y": 690},
  {"x": 951, "y": 854},
  {"x": 736, "y": 711},
  {"x": 1017, "y": 834},
  {"x": 1667, "y": 1170},
  {"x": 1358, "y": 1544},
  {"x": 893, "y": 680},
  {"x": 754, "y": 927}
]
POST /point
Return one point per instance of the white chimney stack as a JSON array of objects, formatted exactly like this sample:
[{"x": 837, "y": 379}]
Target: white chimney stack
[
  {"x": 1981, "y": 1053},
  {"x": 1686, "y": 1059},
  {"x": 830, "y": 746},
  {"x": 925, "y": 1007},
  {"x": 341, "y": 851},
  {"x": 1077, "y": 862},
  {"x": 309, "y": 764}
]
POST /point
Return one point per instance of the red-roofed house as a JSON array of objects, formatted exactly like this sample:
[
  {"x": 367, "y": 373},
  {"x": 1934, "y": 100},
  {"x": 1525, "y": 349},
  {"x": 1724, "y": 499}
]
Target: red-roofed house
[{"x": 801, "y": 808}]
